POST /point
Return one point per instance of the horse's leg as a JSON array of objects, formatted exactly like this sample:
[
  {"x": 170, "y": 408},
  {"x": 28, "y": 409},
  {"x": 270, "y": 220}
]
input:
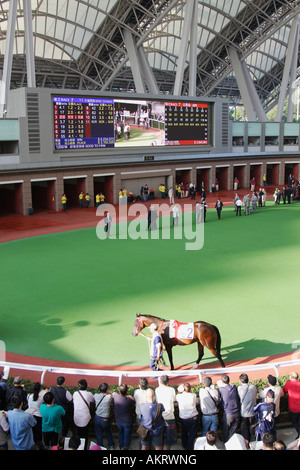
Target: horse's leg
[
  {"x": 170, "y": 356},
  {"x": 219, "y": 357},
  {"x": 217, "y": 354},
  {"x": 200, "y": 355}
]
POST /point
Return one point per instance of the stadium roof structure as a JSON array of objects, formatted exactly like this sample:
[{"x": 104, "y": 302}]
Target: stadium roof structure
[{"x": 208, "y": 48}]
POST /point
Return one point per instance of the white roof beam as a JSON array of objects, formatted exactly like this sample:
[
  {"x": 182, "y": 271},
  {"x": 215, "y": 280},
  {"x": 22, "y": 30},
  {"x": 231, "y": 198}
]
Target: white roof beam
[
  {"x": 287, "y": 67},
  {"x": 147, "y": 72},
  {"x": 293, "y": 77},
  {"x": 242, "y": 84},
  {"x": 30, "y": 63},
  {"x": 134, "y": 61},
  {"x": 8, "y": 56},
  {"x": 257, "y": 105},
  {"x": 193, "y": 51},
  {"x": 184, "y": 46}
]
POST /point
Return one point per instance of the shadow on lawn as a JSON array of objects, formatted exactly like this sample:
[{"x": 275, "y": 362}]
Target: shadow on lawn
[{"x": 254, "y": 348}]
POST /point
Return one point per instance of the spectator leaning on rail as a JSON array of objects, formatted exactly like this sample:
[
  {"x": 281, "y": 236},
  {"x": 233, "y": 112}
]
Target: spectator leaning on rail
[
  {"x": 123, "y": 405},
  {"x": 83, "y": 400},
  {"x": 166, "y": 396},
  {"x": 102, "y": 420},
  {"x": 140, "y": 396},
  {"x": 151, "y": 418},
  {"x": 231, "y": 407},
  {"x": 292, "y": 389},
  {"x": 188, "y": 414},
  {"x": 63, "y": 398},
  {"x": 16, "y": 389},
  {"x": 209, "y": 402},
  {"x": 247, "y": 393}
]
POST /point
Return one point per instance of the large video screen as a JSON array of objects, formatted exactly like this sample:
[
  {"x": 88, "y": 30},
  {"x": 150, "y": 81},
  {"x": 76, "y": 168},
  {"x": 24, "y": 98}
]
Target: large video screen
[{"x": 90, "y": 122}]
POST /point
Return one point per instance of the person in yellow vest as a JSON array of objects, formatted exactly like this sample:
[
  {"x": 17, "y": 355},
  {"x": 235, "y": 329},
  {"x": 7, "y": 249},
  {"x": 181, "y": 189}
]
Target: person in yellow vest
[
  {"x": 121, "y": 198},
  {"x": 64, "y": 202},
  {"x": 98, "y": 199},
  {"x": 265, "y": 179},
  {"x": 179, "y": 191},
  {"x": 102, "y": 198},
  {"x": 81, "y": 196},
  {"x": 87, "y": 200},
  {"x": 124, "y": 192},
  {"x": 162, "y": 190}
]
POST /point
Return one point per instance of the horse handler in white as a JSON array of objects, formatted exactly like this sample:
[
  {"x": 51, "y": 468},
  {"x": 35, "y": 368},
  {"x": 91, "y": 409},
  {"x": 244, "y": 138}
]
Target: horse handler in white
[{"x": 156, "y": 349}]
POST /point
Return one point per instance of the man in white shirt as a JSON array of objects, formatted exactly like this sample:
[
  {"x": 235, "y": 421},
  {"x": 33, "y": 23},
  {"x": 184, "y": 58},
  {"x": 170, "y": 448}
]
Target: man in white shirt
[
  {"x": 171, "y": 195},
  {"x": 166, "y": 396},
  {"x": 238, "y": 204},
  {"x": 175, "y": 211},
  {"x": 82, "y": 400}
]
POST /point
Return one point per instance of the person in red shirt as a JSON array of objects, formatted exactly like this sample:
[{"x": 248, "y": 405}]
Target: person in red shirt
[{"x": 292, "y": 389}]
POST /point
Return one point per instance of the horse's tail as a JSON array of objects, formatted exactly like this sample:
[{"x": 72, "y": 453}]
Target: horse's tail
[
  {"x": 218, "y": 347},
  {"x": 218, "y": 343}
]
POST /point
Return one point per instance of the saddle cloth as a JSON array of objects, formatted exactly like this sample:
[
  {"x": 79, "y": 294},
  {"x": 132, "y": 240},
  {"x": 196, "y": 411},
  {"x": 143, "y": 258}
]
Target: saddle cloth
[{"x": 179, "y": 330}]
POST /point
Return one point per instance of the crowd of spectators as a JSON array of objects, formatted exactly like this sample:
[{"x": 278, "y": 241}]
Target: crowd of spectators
[{"x": 218, "y": 416}]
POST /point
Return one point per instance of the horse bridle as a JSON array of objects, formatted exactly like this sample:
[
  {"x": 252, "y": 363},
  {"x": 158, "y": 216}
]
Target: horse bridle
[{"x": 140, "y": 325}]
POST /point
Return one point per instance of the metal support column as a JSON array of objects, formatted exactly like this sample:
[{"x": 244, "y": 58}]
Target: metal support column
[
  {"x": 293, "y": 76},
  {"x": 30, "y": 63},
  {"x": 147, "y": 72},
  {"x": 183, "y": 46},
  {"x": 287, "y": 67},
  {"x": 242, "y": 84},
  {"x": 8, "y": 57},
  {"x": 134, "y": 61},
  {"x": 193, "y": 51},
  {"x": 257, "y": 105}
]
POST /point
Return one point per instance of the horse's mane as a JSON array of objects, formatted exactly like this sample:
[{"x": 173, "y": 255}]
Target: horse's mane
[{"x": 151, "y": 316}]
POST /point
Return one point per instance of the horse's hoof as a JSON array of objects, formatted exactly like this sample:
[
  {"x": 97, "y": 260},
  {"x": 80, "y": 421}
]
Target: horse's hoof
[{"x": 195, "y": 366}]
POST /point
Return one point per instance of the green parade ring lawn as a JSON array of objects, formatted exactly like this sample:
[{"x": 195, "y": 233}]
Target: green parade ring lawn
[{"x": 72, "y": 297}]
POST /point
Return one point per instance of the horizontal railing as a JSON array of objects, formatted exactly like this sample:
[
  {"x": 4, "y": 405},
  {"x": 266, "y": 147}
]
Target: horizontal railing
[{"x": 120, "y": 374}]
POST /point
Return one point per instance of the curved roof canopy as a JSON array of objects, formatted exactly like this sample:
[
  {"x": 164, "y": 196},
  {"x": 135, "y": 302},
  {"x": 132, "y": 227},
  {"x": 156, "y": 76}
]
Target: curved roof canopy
[{"x": 81, "y": 44}]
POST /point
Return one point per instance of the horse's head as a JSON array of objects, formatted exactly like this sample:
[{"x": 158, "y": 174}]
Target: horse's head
[
  {"x": 144, "y": 321},
  {"x": 138, "y": 325}
]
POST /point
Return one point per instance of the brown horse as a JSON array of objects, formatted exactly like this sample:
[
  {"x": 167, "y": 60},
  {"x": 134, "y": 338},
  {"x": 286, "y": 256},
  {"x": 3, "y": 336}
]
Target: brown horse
[{"x": 204, "y": 334}]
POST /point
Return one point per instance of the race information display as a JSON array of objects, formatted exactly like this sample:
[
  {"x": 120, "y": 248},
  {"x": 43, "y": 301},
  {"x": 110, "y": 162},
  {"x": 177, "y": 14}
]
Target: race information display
[
  {"x": 81, "y": 123},
  {"x": 90, "y": 122},
  {"x": 186, "y": 123}
]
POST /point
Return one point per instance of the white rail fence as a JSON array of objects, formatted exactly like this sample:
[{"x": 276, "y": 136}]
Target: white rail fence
[{"x": 120, "y": 375}]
